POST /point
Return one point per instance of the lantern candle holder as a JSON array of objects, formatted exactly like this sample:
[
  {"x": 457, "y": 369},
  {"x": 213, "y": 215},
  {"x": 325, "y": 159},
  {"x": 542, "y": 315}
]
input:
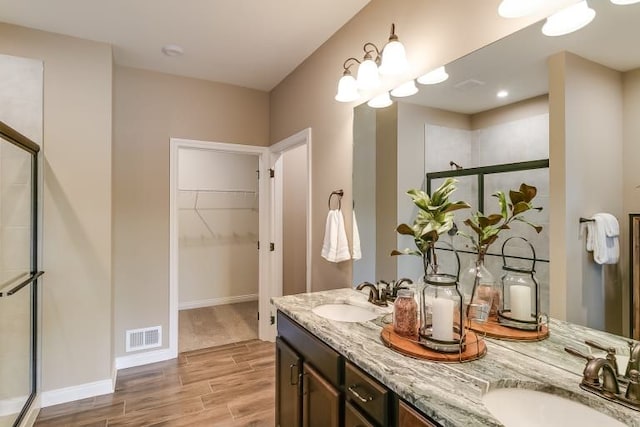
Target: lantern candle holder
[
  {"x": 520, "y": 294},
  {"x": 442, "y": 322}
]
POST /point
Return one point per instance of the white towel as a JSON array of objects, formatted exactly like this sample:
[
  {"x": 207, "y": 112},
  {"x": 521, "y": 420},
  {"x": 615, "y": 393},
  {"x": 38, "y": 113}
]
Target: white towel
[
  {"x": 335, "y": 247},
  {"x": 602, "y": 238},
  {"x": 356, "y": 252}
]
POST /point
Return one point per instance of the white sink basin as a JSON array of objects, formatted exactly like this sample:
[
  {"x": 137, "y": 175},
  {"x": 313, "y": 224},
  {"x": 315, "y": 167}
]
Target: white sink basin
[
  {"x": 529, "y": 408},
  {"x": 345, "y": 312}
]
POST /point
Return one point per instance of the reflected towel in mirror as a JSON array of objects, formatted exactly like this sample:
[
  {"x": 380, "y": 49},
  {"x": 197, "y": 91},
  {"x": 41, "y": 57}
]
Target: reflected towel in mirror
[
  {"x": 602, "y": 238},
  {"x": 356, "y": 252}
]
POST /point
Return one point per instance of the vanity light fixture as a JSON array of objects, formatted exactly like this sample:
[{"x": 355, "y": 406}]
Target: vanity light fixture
[
  {"x": 434, "y": 76},
  {"x": 569, "y": 19},
  {"x": 394, "y": 57},
  {"x": 405, "y": 89},
  {"x": 624, "y": 2},
  {"x": 390, "y": 60},
  {"x": 381, "y": 101},
  {"x": 502, "y": 94},
  {"x": 347, "y": 85}
]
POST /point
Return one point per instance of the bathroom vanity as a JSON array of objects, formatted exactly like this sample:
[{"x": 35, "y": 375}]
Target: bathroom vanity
[{"x": 333, "y": 373}]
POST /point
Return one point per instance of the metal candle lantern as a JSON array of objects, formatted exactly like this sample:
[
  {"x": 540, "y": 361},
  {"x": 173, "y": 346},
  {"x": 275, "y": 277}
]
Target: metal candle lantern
[
  {"x": 442, "y": 324},
  {"x": 520, "y": 294}
]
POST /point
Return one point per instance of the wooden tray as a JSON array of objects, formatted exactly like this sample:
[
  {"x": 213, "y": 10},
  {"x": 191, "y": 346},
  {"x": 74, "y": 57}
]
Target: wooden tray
[
  {"x": 493, "y": 329},
  {"x": 475, "y": 348}
]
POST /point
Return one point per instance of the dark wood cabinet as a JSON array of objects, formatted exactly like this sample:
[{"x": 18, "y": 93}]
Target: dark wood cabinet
[
  {"x": 353, "y": 417},
  {"x": 316, "y": 387},
  {"x": 321, "y": 401},
  {"x": 409, "y": 417},
  {"x": 288, "y": 386}
]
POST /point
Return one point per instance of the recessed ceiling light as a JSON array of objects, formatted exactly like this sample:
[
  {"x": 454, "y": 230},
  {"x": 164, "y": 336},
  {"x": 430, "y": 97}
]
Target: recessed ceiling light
[
  {"x": 569, "y": 19},
  {"x": 172, "y": 50},
  {"x": 502, "y": 94}
]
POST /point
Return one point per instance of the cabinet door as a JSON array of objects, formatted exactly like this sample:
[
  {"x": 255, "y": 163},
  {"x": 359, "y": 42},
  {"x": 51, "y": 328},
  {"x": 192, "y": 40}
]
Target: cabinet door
[
  {"x": 321, "y": 401},
  {"x": 353, "y": 417},
  {"x": 408, "y": 417},
  {"x": 288, "y": 386}
]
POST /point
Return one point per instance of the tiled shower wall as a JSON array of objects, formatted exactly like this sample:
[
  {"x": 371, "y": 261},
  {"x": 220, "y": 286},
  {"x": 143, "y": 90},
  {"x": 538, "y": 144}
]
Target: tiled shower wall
[{"x": 520, "y": 140}]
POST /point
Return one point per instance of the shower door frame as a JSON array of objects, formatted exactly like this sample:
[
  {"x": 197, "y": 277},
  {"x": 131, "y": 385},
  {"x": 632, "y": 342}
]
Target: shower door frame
[{"x": 14, "y": 137}]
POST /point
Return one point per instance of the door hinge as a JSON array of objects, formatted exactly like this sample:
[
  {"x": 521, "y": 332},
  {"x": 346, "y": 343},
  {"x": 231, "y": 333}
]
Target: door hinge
[
  {"x": 272, "y": 320},
  {"x": 258, "y": 244},
  {"x": 272, "y": 173},
  {"x": 258, "y": 173},
  {"x": 272, "y": 247}
]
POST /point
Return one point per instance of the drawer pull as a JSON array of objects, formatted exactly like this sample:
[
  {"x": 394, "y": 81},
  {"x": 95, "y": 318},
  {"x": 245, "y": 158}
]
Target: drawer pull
[
  {"x": 362, "y": 399},
  {"x": 293, "y": 365}
]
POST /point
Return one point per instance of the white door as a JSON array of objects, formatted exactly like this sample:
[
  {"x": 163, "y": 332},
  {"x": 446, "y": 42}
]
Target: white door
[{"x": 291, "y": 215}]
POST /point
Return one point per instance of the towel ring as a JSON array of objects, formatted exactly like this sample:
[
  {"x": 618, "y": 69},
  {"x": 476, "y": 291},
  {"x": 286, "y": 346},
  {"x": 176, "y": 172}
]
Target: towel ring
[{"x": 338, "y": 193}]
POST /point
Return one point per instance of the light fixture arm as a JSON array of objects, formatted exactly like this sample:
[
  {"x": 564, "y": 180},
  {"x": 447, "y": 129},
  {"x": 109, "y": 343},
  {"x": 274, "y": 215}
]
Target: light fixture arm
[
  {"x": 392, "y": 35},
  {"x": 370, "y": 48},
  {"x": 347, "y": 66}
]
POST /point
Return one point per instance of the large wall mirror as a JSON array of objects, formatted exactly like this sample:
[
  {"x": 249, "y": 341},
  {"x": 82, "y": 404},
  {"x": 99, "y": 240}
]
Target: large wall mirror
[{"x": 573, "y": 100}]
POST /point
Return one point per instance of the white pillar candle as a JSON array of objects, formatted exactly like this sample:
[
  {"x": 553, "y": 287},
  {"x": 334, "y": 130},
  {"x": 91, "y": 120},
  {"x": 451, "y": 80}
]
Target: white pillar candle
[
  {"x": 520, "y": 302},
  {"x": 442, "y": 319}
]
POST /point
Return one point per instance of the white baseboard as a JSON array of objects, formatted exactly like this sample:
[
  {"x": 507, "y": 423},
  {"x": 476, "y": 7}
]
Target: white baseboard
[
  {"x": 217, "y": 301},
  {"x": 77, "y": 392},
  {"x": 145, "y": 358},
  {"x": 13, "y": 405}
]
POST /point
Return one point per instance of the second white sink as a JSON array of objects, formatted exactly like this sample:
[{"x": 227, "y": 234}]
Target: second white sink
[
  {"x": 528, "y": 408},
  {"x": 345, "y": 312}
]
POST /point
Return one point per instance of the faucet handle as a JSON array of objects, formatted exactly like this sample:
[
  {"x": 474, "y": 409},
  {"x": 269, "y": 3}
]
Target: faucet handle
[
  {"x": 578, "y": 353},
  {"x": 611, "y": 353},
  {"x": 633, "y": 389}
]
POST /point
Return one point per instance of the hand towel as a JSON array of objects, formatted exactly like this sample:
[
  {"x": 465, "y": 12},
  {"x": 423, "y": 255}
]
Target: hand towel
[
  {"x": 356, "y": 252},
  {"x": 335, "y": 247},
  {"x": 602, "y": 238}
]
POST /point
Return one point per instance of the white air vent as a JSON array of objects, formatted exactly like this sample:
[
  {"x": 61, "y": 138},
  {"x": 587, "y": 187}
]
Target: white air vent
[
  {"x": 141, "y": 339},
  {"x": 468, "y": 84}
]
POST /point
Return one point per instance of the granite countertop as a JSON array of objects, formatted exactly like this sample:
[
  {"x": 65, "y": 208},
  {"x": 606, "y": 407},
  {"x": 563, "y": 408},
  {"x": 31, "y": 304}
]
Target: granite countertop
[{"x": 451, "y": 394}]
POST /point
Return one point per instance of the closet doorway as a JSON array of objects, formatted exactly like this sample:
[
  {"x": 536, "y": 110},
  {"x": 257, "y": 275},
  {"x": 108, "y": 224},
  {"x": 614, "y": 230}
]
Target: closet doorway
[{"x": 217, "y": 207}]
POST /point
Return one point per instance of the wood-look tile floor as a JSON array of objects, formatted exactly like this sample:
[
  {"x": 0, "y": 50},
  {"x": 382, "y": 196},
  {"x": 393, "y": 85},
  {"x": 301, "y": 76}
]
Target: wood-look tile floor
[
  {"x": 229, "y": 385},
  {"x": 217, "y": 325}
]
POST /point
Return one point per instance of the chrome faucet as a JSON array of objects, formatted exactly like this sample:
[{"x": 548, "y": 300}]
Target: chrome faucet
[{"x": 375, "y": 296}]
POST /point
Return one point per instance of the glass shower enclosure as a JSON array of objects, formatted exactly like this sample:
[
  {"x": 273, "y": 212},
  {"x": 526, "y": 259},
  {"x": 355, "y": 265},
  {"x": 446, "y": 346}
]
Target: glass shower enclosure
[{"x": 18, "y": 274}]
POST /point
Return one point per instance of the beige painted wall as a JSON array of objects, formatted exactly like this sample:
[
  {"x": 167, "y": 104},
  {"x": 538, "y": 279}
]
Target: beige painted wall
[
  {"x": 76, "y": 234},
  {"x": 294, "y": 216},
  {"x": 434, "y": 33},
  {"x": 149, "y": 109},
  {"x": 516, "y": 111},
  {"x": 585, "y": 103}
]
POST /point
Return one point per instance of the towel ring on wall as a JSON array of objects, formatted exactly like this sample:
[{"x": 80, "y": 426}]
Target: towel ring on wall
[{"x": 338, "y": 193}]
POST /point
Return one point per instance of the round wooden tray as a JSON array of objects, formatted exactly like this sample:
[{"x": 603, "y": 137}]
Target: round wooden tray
[
  {"x": 493, "y": 329},
  {"x": 475, "y": 347}
]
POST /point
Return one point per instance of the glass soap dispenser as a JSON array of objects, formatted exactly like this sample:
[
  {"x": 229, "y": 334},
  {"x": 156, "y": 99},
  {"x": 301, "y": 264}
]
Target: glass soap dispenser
[{"x": 405, "y": 314}]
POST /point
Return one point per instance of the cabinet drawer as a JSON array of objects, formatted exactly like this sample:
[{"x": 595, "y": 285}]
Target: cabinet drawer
[
  {"x": 367, "y": 394},
  {"x": 408, "y": 417},
  {"x": 323, "y": 358},
  {"x": 353, "y": 417}
]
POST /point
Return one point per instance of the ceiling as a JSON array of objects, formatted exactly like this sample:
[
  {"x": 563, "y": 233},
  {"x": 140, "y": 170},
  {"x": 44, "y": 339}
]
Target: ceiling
[
  {"x": 518, "y": 63},
  {"x": 250, "y": 43}
]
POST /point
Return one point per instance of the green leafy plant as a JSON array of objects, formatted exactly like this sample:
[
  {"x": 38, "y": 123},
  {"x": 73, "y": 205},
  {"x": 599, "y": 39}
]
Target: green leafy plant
[
  {"x": 488, "y": 227},
  {"x": 434, "y": 217}
]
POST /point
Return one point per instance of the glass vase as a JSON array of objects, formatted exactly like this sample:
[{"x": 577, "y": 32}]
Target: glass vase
[{"x": 481, "y": 294}]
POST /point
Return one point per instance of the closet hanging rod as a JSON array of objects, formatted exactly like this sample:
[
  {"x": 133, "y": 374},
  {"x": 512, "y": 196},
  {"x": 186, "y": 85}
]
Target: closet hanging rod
[{"x": 220, "y": 191}]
